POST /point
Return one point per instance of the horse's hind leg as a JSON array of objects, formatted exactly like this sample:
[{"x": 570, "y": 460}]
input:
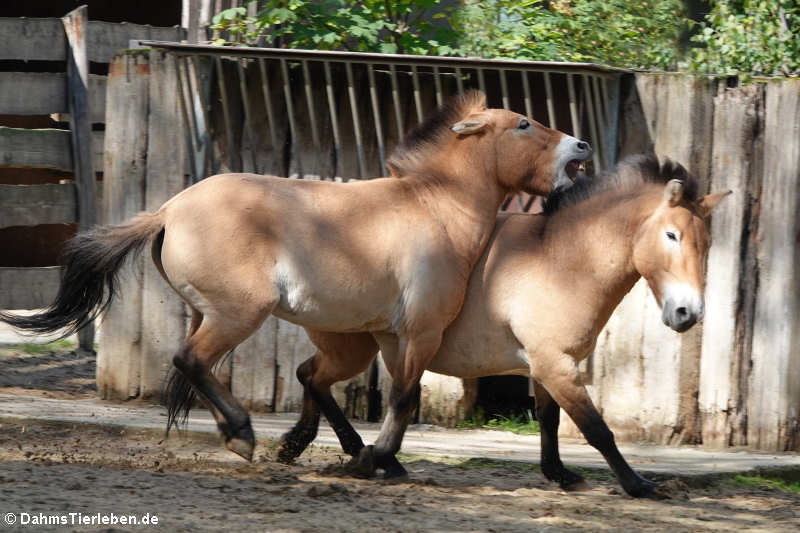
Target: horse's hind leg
[
  {"x": 340, "y": 356},
  {"x": 297, "y": 439},
  {"x": 548, "y": 414},
  {"x": 194, "y": 361}
]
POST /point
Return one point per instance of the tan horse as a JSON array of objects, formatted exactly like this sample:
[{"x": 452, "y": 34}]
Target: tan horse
[
  {"x": 537, "y": 300},
  {"x": 388, "y": 255}
]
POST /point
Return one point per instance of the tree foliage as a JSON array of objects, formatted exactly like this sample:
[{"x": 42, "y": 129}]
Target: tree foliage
[
  {"x": 615, "y": 32},
  {"x": 749, "y": 36},
  {"x": 403, "y": 26}
]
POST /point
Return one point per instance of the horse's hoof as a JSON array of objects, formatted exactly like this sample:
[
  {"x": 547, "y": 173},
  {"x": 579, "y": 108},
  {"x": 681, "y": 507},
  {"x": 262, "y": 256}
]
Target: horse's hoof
[
  {"x": 243, "y": 442},
  {"x": 392, "y": 469},
  {"x": 577, "y": 486},
  {"x": 363, "y": 464},
  {"x": 240, "y": 447},
  {"x": 643, "y": 488},
  {"x": 287, "y": 454},
  {"x": 572, "y": 482}
]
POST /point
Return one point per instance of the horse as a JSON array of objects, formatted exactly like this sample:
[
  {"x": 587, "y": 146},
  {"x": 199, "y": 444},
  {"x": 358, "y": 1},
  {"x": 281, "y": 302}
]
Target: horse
[
  {"x": 536, "y": 301},
  {"x": 389, "y": 255}
]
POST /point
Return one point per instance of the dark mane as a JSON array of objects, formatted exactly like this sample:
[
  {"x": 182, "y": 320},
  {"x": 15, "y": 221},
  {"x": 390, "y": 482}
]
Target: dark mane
[
  {"x": 429, "y": 133},
  {"x": 631, "y": 171}
]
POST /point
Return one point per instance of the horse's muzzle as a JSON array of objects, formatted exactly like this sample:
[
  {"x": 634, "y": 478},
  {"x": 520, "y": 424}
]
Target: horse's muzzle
[{"x": 680, "y": 314}]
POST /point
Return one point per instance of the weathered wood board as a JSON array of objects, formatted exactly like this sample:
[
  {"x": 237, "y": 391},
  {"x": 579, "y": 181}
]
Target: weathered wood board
[
  {"x": 773, "y": 403},
  {"x": 729, "y": 287},
  {"x": 45, "y": 93},
  {"x": 163, "y": 312},
  {"x": 28, "y": 288},
  {"x": 42, "y": 39},
  {"x": 43, "y": 148},
  {"x": 120, "y": 351}
]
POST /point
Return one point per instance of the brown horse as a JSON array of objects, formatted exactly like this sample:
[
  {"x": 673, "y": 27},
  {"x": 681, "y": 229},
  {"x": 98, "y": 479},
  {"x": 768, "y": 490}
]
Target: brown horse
[
  {"x": 388, "y": 255},
  {"x": 537, "y": 300}
]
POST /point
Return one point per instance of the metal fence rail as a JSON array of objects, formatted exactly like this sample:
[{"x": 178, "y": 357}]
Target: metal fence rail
[{"x": 578, "y": 98}]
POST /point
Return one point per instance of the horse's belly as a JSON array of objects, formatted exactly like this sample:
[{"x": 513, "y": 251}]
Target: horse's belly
[
  {"x": 329, "y": 306},
  {"x": 478, "y": 357}
]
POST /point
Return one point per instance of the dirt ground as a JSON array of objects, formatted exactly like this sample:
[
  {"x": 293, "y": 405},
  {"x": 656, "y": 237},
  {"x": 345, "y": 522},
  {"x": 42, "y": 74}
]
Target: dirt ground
[{"x": 191, "y": 484}]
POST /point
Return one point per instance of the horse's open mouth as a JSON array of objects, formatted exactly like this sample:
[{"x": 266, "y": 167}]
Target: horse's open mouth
[{"x": 573, "y": 167}]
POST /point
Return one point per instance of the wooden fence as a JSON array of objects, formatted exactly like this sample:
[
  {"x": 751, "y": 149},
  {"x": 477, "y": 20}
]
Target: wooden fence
[
  {"x": 176, "y": 116},
  {"x": 75, "y": 96},
  {"x": 734, "y": 379}
]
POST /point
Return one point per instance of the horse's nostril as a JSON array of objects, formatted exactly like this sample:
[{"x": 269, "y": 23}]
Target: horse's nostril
[
  {"x": 583, "y": 146},
  {"x": 681, "y": 312}
]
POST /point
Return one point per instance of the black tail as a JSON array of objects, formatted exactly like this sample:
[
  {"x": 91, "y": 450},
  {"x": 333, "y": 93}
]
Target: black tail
[
  {"x": 91, "y": 261},
  {"x": 179, "y": 396}
]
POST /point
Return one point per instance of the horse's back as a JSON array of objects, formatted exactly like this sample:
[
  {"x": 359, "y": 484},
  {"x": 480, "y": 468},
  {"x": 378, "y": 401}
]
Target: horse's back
[{"x": 302, "y": 248}]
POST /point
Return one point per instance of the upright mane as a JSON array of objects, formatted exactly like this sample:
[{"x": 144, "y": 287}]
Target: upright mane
[
  {"x": 631, "y": 171},
  {"x": 411, "y": 151}
]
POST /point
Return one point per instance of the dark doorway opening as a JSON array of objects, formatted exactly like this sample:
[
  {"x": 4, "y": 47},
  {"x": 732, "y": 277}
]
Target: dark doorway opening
[{"x": 504, "y": 396}]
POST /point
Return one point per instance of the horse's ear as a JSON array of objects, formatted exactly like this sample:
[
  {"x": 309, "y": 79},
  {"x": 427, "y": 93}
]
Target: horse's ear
[
  {"x": 673, "y": 192},
  {"x": 472, "y": 124},
  {"x": 394, "y": 172},
  {"x": 710, "y": 201}
]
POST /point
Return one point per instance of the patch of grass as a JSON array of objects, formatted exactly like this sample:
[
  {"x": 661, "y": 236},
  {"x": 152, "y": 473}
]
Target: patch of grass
[
  {"x": 482, "y": 463},
  {"x": 55, "y": 346},
  {"x": 519, "y": 424},
  {"x": 767, "y": 483}
]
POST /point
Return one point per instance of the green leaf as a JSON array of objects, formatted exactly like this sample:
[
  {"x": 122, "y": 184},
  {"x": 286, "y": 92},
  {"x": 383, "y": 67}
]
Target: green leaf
[{"x": 388, "y": 48}]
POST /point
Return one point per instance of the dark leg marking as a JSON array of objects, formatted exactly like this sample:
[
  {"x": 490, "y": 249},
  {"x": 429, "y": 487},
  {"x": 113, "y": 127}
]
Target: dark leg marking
[
  {"x": 548, "y": 415},
  {"x": 401, "y": 409},
  {"x": 600, "y": 437},
  {"x": 236, "y": 427}
]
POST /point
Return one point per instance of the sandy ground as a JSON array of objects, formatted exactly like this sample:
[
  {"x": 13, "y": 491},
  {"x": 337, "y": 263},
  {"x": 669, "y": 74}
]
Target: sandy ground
[{"x": 191, "y": 484}]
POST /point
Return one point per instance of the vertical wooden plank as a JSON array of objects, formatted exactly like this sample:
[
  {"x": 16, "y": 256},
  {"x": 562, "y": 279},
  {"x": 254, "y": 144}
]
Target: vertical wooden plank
[
  {"x": 376, "y": 117},
  {"x": 293, "y": 347},
  {"x": 119, "y": 353},
  {"x": 253, "y": 369},
  {"x": 774, "y": 396},
  {"x": 551, "y": 109},
  {"x": 729, "y": 293},
  {"x": 76, "y": 24},
  {"x": 163, "y": 314},
  {"x": 398, "y": 112},
  {"x": 646, "y": 375}
]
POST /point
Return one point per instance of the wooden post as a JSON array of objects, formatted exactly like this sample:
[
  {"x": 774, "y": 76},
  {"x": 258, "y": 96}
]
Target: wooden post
[
  {"x": 76, "y": 25},
  {"x": 773, "y": 405},
  {"x": 731, "y": 273},
  {"x": 119, "y": 354},
  {"x": 163, "y": 311}
]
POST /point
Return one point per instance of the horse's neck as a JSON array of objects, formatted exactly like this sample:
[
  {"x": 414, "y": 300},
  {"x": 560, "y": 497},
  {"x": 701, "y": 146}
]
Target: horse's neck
[
  {"x": 595, "y": 239},
  {"x": 465, "y": 205}
]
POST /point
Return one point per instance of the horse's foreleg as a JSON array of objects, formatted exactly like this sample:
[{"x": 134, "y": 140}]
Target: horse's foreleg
[
  {"x": 416, "y": 353},
  {"x": 548, "y": 414},
  {"x": 561, "y": 378},
  {"x": 402, "y": 404}
]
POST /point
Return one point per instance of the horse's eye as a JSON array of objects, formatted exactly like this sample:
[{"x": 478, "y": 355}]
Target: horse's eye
[
  {"x": 671, "y": 236},
  {"x": 523, "y": 124}
]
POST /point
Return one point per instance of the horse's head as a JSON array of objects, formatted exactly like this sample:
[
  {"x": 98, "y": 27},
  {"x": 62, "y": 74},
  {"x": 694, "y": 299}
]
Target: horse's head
[
  {"x": 670, "y": 253},
  {"x": 526, "y": 155}
]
